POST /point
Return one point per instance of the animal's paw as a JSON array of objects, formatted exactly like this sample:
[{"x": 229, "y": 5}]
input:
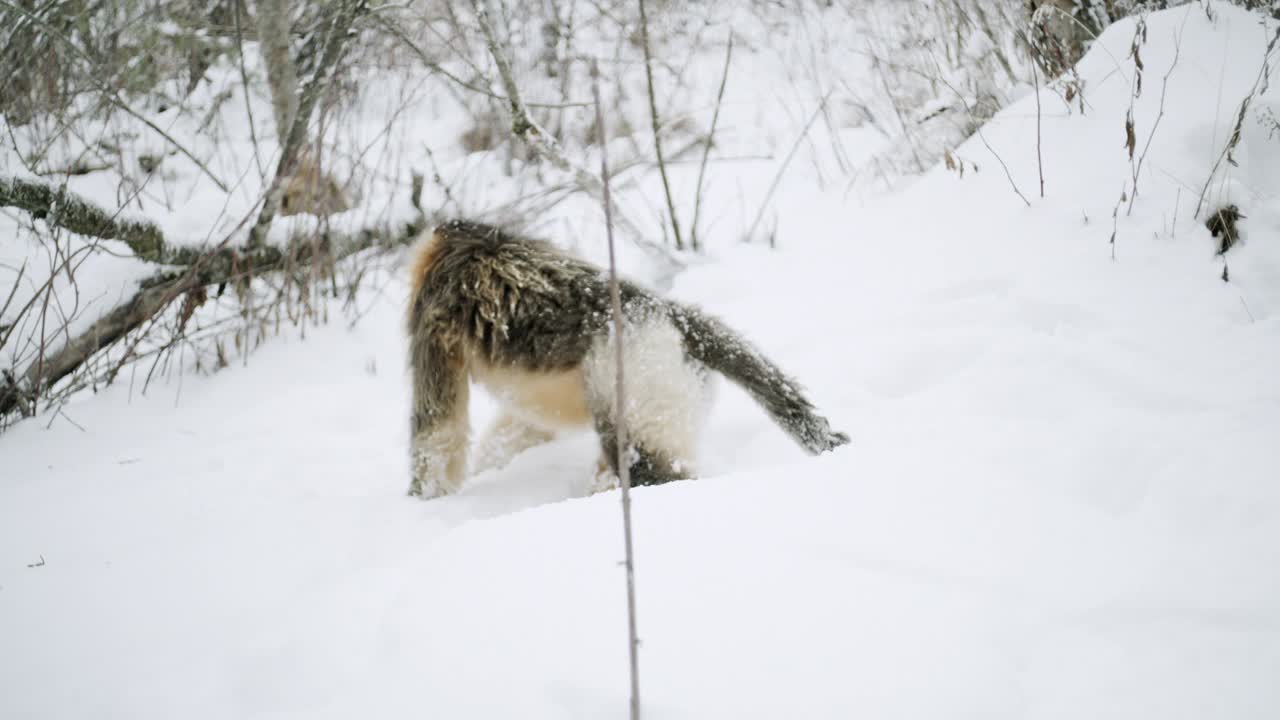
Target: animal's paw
[
  {"x": 427, "y": 489},
  {"x": 819, "y": 437},
  {"x": 427, "y": 482},
  {"x": 603, "y": 481},
  {"x": 836, "y": 438}
]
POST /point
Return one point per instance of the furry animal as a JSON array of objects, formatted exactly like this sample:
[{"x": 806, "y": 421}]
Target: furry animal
[{"x": 533, "y": 325}]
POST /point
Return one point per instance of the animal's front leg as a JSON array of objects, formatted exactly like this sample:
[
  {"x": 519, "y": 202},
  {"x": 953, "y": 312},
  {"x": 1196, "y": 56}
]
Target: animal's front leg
[
  {"x": 440, "y": 425},
  {"x": 438, "y": 459}
]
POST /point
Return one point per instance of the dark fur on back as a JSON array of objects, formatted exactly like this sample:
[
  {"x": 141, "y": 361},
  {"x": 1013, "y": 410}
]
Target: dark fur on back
[{"x": 514, "y": 300}]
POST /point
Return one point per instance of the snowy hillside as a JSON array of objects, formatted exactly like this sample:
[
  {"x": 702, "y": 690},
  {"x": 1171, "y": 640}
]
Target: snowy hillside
[{"x": 1062, "y": 498}]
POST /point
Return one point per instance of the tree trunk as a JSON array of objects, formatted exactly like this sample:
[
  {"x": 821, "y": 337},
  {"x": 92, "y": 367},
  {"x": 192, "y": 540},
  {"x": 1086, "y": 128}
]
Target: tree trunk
[{"x": 274, "y": 26}]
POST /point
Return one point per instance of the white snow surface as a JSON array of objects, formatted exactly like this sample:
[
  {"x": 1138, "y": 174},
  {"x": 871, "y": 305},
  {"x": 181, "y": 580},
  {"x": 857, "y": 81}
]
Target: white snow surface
[{"x": 1062, "y": 499}]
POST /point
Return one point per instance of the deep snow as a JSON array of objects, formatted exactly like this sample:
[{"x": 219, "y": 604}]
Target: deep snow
[{"x": 1061, "y": 499}]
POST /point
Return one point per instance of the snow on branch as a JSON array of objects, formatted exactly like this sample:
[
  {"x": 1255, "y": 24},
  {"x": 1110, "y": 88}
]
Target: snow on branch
[
  {"x": 198, "y": 267},
  {"x": 61, "y": 207}
]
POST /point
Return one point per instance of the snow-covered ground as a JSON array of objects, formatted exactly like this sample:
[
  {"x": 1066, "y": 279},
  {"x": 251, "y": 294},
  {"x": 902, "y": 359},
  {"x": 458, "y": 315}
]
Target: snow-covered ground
[{"x": 1062, "y": 499}]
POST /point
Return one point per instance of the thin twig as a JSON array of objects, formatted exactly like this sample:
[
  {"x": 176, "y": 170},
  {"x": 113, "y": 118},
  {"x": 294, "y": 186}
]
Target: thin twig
[
  {"x": 244, "y": 86},
  {"x": 434, "y": 66},
  {"x": 777, "y": 178},
  {"x": 1263, "y": 77},
  {"x": 657, "y": 134},
  {"x": 545, "y": 146},
  {"x": 619, "y": 419},
  {"x": 46, "y": 287},
  {"x": 1164, "y": 87},
  {"x": 706, "y": 148},
  {"x": 435, "y": 175},
  {"x": 111, "y": 94},
  {"x": 1246, "y": 309},
  {"x": 980, "y": 134},
  {"x": 67, "y": 417},
  {"x": 17, "y": 282},
  {"x": 897, "y": 109}
]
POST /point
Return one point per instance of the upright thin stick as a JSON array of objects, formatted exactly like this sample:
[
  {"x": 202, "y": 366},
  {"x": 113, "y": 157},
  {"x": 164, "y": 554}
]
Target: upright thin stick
[
  {"x": 706, "y": 147},
  {"x": 657, "y": 135},
  {"x": 1164, "y": 88},
  {"x": 619, "y": 419}
]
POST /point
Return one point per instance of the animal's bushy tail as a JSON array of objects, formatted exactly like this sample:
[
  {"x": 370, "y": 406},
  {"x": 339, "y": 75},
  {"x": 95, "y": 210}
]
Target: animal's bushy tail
[{"x": 713, "y": 343}]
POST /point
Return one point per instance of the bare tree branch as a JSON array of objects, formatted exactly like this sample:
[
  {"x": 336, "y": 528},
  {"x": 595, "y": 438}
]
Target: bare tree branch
[
  {"x": 63, "y": 208},
  {"x": 706, "y": 148},
  {"x": 244, "y": 87},
  {"x": 657, "y": 133},
  {"x": 203, "y": 266},
  {"x": 544, "y": 145},
  {"x": 436, "y": 67}
]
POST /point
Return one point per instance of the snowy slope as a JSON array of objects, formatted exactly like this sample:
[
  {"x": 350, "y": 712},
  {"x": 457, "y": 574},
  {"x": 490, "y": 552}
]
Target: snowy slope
[{"x": 1061, "y": 500}]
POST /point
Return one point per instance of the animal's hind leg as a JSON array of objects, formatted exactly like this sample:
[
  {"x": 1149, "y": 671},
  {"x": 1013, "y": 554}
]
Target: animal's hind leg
[
  {"x": 507, "y": 437},
  {"x": 666, "y": 398},
  {"x": 648, "y": 465}
]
